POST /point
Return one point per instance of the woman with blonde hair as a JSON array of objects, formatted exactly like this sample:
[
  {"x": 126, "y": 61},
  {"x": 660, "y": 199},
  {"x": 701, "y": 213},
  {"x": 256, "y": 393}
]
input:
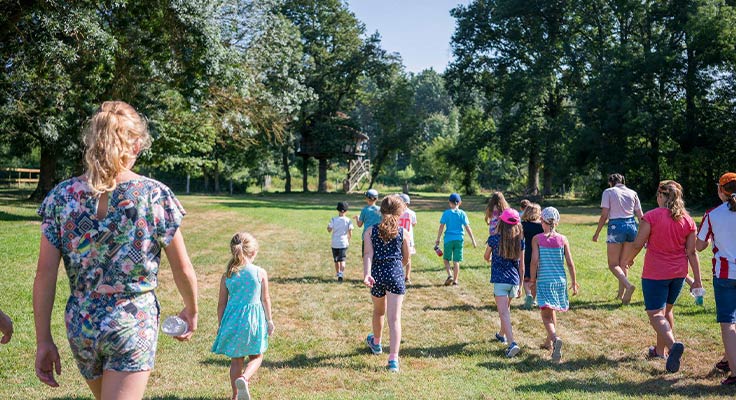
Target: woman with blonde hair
[
  {"x": 669, "y": 233},
  {"x": 386, "y": 252},
  {"x": 109, "y": 226}
]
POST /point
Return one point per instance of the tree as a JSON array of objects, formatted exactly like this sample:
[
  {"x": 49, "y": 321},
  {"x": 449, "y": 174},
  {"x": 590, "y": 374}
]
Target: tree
[
  {"x": 511, "y": 51},
  {"x": 336, "y": 56}
]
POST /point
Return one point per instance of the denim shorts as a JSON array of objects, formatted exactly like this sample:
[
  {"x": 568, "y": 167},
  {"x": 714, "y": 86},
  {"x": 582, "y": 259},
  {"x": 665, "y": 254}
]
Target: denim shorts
[
  {"x": 724, "y": 291},
  {"x": 453, "y": 251},
  {"x": 505, "y": 289},
  {"x": 622, "y": 230},
  {"x": 659, "y": 293}
]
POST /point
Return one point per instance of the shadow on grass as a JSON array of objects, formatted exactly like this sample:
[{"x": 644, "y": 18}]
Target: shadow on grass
[
  {"x": 440, "y": 351},
  {"x": 533, "y": 362},
  {"x": 462, "y": 307},
  {"x": 17, "y": 218},
  {"x": 313, "y": 280},
  {"x": 168, "y": 397},
  {"x": 659, "y": 387},
  {"x": 299, "y": 361},
  {"x": 609, "y": 305}
]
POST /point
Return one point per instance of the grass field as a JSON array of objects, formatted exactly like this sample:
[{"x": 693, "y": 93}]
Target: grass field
[{"x": 448, "y": 351}]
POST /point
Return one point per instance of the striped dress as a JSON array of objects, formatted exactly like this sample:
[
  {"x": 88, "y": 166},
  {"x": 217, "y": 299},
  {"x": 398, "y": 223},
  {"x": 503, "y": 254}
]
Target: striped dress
[{"x": 551, "y": 278}]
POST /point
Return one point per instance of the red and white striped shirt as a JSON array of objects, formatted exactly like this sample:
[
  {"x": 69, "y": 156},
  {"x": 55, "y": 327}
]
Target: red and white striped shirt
[{"x": 719, "y": 226}]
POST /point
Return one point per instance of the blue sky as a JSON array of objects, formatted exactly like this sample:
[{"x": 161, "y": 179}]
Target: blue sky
[{"x": 419, "y": 30}]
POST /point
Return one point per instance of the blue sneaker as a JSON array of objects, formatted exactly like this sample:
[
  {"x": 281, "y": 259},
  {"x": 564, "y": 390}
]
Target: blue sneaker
[
  {"x": 513, "y": 350},
  {"x": 500, "y": 338},
  {"x": 375, "y": 348},
  {"x": 393, "y": 365}
]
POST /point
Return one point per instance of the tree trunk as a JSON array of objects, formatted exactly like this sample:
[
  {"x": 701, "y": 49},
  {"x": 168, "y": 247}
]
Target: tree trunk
[
  {"x": 532, "y": 183},
  {"x": 206, "y": 180},
  {"x": 217, "y": 177},
  {"x": 47, "y": 176},
  {"x": 322, "y": 187},
  {"x": 287, "y": 172},
  {"x": 547, "y": 176},
  {"x": 305, "y": 174}
]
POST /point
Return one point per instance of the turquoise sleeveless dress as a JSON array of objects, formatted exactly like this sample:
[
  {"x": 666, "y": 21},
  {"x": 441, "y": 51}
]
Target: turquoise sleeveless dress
[{"x": 243, "y": 330}]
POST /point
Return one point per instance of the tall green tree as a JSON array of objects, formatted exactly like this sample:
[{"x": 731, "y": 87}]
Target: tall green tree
[
  {"x": 337, "y": 54},
  {"x": 511, "y": 52}
]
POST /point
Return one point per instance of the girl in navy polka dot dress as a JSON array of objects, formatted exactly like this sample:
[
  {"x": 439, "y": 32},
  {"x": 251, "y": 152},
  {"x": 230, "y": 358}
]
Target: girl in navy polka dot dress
[{"x": 386, "y": 253}]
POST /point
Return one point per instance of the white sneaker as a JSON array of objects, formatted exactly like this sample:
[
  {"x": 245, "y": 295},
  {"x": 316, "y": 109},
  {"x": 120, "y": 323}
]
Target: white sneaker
[{"x": 243, "y": 392}]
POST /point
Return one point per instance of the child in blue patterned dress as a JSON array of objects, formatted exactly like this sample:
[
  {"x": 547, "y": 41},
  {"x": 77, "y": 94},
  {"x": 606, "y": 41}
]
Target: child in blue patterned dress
[
  {"x": 244, "y": 314},
  {"x": 505, "y": 251},
  {"x": 386, "y": 253},
  {"x": 550, "y": 250}
]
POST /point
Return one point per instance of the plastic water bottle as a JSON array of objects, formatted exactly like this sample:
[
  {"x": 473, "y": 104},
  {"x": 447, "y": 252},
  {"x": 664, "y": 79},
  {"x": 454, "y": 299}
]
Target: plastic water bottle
[
  {"x": 698, "y": 293},
  {"x": 438, "y": 250},
  {"x": 174, "y": 326}
]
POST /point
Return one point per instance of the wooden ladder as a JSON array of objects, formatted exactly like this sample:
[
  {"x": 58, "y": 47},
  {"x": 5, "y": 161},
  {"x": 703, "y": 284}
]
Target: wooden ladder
[{"x": 357, "y": 171}]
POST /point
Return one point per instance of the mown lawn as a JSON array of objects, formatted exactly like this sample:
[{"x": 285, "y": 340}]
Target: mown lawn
[{"x": 318, "y": 352}]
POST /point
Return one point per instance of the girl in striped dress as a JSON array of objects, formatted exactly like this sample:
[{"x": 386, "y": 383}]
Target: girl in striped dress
[{"x": 550, "y": 251}]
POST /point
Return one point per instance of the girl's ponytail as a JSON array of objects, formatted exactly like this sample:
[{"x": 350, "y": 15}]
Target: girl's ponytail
[
  {"x": 391, "y": 209},
  {"x": 242, "y": 245},
  {"x": 672, "y": 193},
  {"x": 110, "y": 139}
]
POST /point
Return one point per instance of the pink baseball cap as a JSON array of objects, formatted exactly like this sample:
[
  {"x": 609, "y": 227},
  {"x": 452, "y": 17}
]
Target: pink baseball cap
[{"x": 510, "y": 216}]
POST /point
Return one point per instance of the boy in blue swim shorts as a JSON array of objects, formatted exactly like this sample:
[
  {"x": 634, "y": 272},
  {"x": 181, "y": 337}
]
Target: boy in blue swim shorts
[{"x": 454, "y": 219}]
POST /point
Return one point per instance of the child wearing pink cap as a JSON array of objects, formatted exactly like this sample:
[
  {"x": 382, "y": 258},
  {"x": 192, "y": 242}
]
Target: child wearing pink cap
[
  {"x": 550, "y": 252},
  {"x": 505, "y": 251}
]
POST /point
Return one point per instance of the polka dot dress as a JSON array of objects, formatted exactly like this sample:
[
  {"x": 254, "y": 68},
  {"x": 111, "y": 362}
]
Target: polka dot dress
[{"x": 387, "y": 269}]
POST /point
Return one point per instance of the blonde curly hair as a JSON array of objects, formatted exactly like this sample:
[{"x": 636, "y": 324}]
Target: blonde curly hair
[{"x": 113, "y": 138}]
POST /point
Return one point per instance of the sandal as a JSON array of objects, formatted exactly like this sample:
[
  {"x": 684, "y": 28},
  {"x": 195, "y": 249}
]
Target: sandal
[
  {"x": 723, "y": 366},
  {"x": 652, "y": 353},
  {"x": 731, "y": 380}
]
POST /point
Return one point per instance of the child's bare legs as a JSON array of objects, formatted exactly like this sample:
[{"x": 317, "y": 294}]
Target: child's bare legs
[
  {"x": 455, "y": 271},
  {"x": 337, "y": 267},
  {"x": 550, "y": 322},
  {"x": 503, "y": 304},
  {"x": 342, "y": 267},
  {"x": 379, "y": 310},
  {"x": 447, "y": 267},
  {"x": 395, "y": 302},
  {"x": 236, "y": 370},
  {"x": 527, "y": 288}
]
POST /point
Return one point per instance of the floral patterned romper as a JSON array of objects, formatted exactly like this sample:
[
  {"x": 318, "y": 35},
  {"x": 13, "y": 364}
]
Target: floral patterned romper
[{"x": 112, "y": 313}]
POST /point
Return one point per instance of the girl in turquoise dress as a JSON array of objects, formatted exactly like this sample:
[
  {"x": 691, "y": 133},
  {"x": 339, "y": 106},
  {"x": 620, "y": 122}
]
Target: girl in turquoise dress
[{"x": 244, "y": 314}]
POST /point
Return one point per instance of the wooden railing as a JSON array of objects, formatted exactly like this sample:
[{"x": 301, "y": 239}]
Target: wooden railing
[
  {"x": 19, "y": 176},
  {"x": 357, "y": 171}
]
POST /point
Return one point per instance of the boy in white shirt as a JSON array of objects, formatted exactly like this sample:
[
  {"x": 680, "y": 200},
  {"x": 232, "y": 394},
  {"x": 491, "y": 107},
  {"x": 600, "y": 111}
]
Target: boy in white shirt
[{"x": 342, "y": 231}]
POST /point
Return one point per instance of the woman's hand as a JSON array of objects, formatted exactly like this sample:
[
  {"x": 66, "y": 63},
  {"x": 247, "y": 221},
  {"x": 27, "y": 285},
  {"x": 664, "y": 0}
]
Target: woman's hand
[
  {"x": 191, "y": 320},
  {"x": 369, "y": 281},
  {"x": 518, "y": 292},
  {"x": 271, "y": 328},
  {"x": 696, "y": 284},
  {"x": 47, "y": 361},
  {"x": 595, "y": 237}
]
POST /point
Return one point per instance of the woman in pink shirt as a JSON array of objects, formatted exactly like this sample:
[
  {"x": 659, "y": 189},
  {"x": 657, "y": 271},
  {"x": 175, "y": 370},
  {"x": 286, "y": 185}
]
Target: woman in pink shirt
[{"x": 669, "y": 233}]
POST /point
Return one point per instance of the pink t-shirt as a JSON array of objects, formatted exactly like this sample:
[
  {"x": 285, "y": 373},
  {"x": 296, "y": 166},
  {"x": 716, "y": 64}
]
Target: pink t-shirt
[
  {"x": 620, "y": 201},
  {"x": 666, "y": 257}
]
